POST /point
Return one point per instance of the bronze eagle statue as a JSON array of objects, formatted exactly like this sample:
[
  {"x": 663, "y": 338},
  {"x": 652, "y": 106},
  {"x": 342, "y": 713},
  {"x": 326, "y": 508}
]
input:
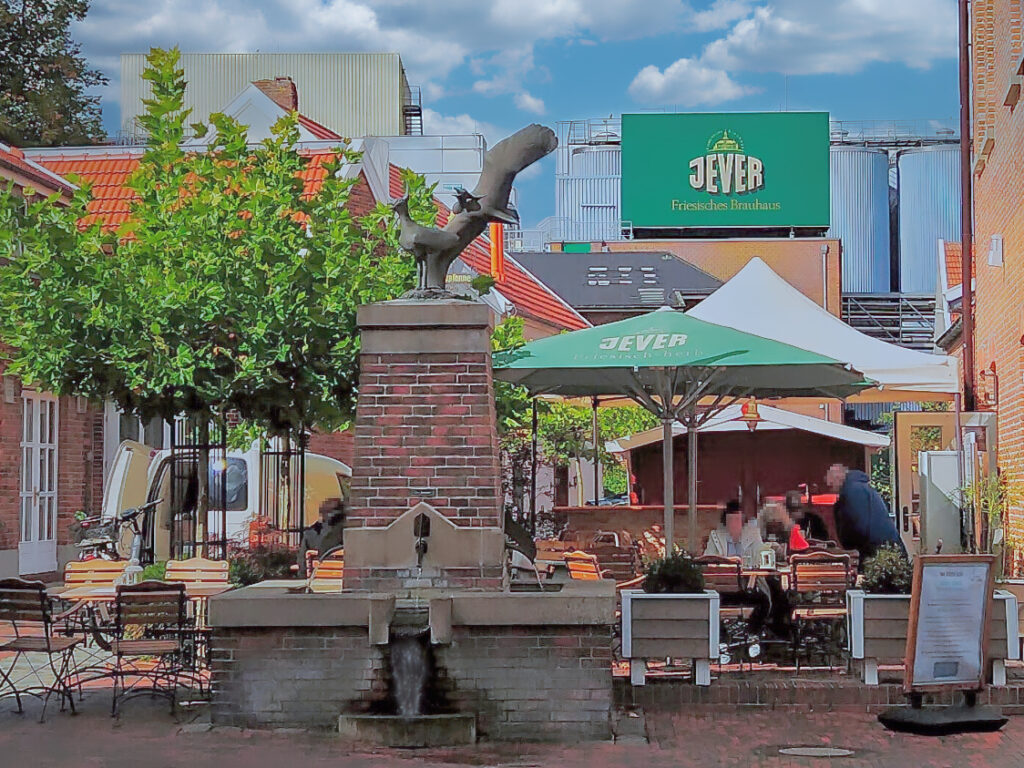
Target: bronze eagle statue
[{"x": 435, "y": 249}]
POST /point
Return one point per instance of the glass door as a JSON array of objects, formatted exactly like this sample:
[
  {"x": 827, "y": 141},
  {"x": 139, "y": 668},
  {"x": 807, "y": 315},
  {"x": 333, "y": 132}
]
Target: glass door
[{"x": 37, "y": 548}]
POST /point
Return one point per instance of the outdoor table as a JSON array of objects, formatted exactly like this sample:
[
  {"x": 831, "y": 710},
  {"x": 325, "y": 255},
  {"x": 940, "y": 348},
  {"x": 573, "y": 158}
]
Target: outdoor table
[{"x": 753, "y": 574}]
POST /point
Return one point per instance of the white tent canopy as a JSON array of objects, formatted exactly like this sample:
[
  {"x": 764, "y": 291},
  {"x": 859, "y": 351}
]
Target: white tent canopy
[
  {"x": 771, "y": 419},
  {"x": 757, "y": 300}
]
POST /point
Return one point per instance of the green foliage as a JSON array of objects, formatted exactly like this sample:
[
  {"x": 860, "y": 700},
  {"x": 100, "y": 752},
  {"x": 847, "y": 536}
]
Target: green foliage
[
  {"x": 677, "y": 573},
  {"x": 482, "y": 284},
  {"x": 888, "y": 572},
  {"x": 881, "y": 475},
  {"x": 44, "y": 77},
  {"x": 154, "y": 571},
  {"x": 227, "y": 289},
  {"x": 249, "y": 566}
]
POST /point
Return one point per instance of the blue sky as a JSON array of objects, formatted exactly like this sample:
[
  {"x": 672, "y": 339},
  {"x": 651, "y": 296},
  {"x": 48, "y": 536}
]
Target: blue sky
[{"x": 494, "y": 65}]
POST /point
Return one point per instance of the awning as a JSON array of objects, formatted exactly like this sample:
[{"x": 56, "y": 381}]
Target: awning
[
  {"x": 771, "y": 419},
  {"x": 757, "y": 300}
]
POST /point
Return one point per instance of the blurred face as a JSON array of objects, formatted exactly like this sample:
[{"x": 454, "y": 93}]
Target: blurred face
[
  {"x": 734, "y": 525},
  {"x": 835, "y": 476}
]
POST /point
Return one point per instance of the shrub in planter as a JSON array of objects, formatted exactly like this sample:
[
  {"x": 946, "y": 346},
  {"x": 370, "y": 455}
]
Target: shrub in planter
[
  {"x": 889, "y": 572},
  {"x": 677, "y": 573},
  {"x": 255, "y": 564}
]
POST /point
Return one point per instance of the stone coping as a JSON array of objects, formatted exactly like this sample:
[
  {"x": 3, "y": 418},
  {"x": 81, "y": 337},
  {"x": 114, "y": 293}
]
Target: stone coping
[{"x": 274, "y": 604}]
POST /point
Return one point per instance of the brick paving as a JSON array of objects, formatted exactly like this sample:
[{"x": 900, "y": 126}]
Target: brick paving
[{"x": 147, "y": 736}]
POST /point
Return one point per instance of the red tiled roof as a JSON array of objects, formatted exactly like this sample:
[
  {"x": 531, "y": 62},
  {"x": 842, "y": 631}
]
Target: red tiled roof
[
  {"x": 320, "y": 131},
  {"x": 108, "y": 172},
  {"x": 531, "y": 297},
  {"x": 47, "y": 182},
  {"x": 954, "y": 264}
]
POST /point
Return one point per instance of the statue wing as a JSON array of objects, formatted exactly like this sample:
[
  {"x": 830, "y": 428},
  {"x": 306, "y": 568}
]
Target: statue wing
[{"x": 510, "y": 156}]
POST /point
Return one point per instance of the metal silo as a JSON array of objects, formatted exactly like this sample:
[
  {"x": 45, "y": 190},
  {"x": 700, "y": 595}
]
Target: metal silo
[
  {"x": 860, "y": 216},
  {"x": 587, "y": 196},
  {"x": 929, "y": 189}
]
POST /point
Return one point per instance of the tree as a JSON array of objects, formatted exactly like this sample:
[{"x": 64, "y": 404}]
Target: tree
[
  {"x": 44, "y": 77},
  {"x": 227, "y": 289}
]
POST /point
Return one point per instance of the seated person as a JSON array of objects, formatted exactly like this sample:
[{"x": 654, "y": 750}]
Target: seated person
[
  {"x": 734, "y": 539},
  {"x": 326, "y": 533},
  {"x": 782, "y": 532},
  {"x": 811, "y": 524}
]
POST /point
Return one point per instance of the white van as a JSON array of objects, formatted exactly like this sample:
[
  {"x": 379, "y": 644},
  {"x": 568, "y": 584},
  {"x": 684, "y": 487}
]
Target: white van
[{"x": 139, "y": 474}]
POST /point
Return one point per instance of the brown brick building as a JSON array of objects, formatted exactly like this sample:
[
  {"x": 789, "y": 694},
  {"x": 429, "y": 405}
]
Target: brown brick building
[
  {"x": 50, "y": 448},
  {"x": 998, "y": 157}
]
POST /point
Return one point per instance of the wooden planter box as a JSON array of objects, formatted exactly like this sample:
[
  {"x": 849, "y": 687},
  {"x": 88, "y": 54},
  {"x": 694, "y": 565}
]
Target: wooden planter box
[
  {"x": 1016, "y": 588},
  {"x": 670, "y": 626},
  {"x": 877, "y": 631}
]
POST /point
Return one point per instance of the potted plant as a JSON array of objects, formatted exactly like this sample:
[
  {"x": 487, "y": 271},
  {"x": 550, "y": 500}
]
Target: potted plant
[
  {"x": 673, "y": 616},
  {"x": 878, "y": 617}
]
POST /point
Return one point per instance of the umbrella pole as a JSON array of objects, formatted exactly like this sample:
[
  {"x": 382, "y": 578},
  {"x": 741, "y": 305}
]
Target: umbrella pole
[
  {"x": 691, "y": 481},
  {"x": 669, "y": 483},
  {"x": 596, "y": 435}
]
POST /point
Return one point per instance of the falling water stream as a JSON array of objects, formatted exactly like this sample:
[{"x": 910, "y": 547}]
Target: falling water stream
[{"x": 410, "y": 672}]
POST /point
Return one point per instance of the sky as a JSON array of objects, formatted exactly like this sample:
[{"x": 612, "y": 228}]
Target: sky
[{"x": 492, "y": 66}]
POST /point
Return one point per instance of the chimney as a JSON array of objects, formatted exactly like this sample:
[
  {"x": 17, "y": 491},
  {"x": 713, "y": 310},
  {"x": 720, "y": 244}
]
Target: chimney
[{"x": 281, "y": 90}]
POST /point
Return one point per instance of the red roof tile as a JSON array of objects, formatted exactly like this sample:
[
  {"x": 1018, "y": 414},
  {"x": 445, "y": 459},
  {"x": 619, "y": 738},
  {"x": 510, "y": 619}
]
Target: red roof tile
[
  {"x": 320, "y": 131},
  {"x": 954, "y": 264},
  {"x": 45, "y": 181},
  {"x": 108, "y": 173}
]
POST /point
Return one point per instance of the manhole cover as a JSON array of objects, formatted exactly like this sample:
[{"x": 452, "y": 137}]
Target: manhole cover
[{"x": 816, "y": 752}]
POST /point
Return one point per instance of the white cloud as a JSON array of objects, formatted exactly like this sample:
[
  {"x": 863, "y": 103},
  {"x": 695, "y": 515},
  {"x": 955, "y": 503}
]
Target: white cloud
[
  {"x": 721, "y": 14},
  {"x": 800, "y": 37},
  {"x": 529, "y": 103},
  {"x": 433, "y": 38},
  {"x": 437, "y": 124},
  {"x": 687, "y": 82}
]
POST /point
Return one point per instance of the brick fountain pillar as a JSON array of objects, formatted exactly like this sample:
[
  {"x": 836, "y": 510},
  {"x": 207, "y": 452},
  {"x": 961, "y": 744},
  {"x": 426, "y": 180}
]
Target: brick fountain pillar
[{"x": 425, "y": 444}]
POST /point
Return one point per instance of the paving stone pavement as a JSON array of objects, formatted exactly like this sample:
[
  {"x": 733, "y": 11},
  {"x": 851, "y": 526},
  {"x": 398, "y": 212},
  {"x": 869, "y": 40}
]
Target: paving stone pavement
[{"x": 146, "y": 736}]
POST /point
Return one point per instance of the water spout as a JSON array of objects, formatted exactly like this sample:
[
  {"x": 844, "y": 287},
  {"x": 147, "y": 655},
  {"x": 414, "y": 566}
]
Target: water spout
[{"x": 410, "y": 673}]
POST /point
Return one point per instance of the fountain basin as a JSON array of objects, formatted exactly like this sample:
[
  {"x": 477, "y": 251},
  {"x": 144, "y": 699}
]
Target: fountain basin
[{"x": 417, "y": 731}]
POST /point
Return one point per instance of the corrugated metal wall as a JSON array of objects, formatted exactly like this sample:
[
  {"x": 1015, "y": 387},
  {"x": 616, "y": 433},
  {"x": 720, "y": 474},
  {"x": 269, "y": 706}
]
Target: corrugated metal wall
[
  {"x": 354, "y": 94},
  {"x": 588, "y": 196},
  {"x": 860, "y": 216},
  {"x": 929, "y": 189}
]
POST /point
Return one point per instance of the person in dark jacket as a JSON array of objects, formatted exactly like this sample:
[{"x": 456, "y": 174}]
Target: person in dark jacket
[
  {"x": 325, "y": 534},
  {"x": 862, "y": 517}
]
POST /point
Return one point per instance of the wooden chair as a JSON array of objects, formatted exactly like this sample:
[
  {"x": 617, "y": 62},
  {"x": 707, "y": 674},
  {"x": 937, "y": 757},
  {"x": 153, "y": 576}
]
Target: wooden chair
[
  {"x": 26, "y": 605},
  {"x": 819, "y": 582},
  {"x": 583, "y": 566},
  {"x": 550, "y": 552},
  {"x": 93, "y": 573},
  {"x": 157, "y": 609},
  {"x": 725, "y": 576},
  {"x": 197, "y": 570},
  {"x": 328, "y": 572}
]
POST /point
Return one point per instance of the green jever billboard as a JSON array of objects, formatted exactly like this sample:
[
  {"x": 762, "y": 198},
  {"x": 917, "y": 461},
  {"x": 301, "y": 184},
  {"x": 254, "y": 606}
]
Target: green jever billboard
[{"x": 726, "y": 169}]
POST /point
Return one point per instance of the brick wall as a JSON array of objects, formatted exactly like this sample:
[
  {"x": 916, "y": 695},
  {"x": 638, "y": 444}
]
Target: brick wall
[
  {"x": 79, "y": 461},
  {"x": 426, "y": 422},
  {"x": 523, "y": 683},
  {"x": 293, "y": 676},
  {"x": 531, "y": 683},
  {"x": 999, "y": 209},
  {"x": 336, "y": 445}
]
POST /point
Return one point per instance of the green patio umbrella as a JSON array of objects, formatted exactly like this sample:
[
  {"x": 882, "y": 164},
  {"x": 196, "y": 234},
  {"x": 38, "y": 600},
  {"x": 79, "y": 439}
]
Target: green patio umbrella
[{"x": 669, "y": 362}]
